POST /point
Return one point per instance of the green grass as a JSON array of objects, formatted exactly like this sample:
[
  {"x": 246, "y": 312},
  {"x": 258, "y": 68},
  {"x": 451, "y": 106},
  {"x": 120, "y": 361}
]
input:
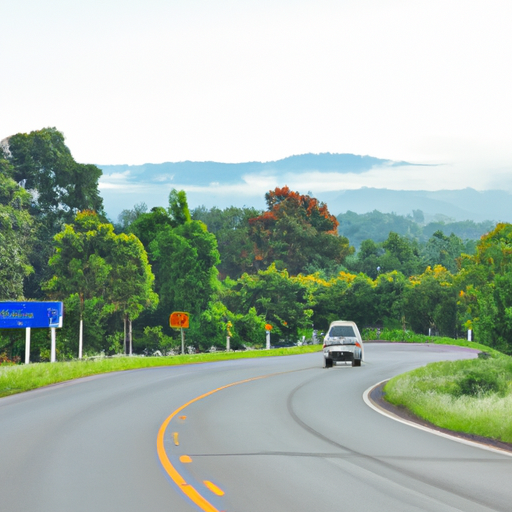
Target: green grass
[
  {"x": 472, "y": 396},
  {"x": 20, "y": 378}
]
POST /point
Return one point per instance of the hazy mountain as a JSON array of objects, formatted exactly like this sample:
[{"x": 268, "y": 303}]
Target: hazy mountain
[
  {"x": 244, "y": 184},
  {"x": 204, "y": 173},
  {"x": 466, "y": 204}
]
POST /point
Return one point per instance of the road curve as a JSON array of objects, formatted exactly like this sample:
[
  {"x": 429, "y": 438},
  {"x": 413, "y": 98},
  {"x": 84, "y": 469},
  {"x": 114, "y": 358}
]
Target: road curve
[{"x": 276, "y": 434}]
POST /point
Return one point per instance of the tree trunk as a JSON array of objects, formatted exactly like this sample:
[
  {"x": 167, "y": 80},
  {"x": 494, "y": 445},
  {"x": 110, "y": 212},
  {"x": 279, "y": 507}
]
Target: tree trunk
[
  {"x": 125, "y": 345},
  {"x": 130, "y": 334}
]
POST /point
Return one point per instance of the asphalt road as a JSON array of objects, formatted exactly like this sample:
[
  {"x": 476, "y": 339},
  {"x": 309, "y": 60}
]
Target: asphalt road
[{"x": 299, "y": 439}]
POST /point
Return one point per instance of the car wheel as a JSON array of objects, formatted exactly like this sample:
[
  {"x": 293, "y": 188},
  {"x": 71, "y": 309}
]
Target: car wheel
[
  {"x": 328, "y": 363},
  {"x": 356, "y": 362}
]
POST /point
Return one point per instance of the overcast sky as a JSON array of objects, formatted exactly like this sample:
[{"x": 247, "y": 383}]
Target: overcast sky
[{"x": 137, "y": 81}]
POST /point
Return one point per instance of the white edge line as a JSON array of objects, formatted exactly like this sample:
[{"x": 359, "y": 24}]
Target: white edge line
[{"x": 369, "y": 403}]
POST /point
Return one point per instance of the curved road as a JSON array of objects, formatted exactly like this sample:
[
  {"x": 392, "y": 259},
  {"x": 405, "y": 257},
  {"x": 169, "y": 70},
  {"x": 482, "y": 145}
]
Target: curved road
[{"x": 197, "y": 438}]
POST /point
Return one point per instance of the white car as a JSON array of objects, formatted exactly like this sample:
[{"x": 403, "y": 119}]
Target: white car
[{"x": 343, "y": 342}]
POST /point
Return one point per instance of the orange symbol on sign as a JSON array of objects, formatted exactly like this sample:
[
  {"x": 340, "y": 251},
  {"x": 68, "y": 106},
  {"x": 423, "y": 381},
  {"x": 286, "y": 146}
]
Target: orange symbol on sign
[
  {"x": 179, "y": 320},
  {"x": 268, "y": 327}
]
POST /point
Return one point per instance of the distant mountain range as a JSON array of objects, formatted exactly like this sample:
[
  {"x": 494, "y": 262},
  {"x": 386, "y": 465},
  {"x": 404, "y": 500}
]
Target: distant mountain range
[
  {"x": 458, "y": 205},
  {"x": 244, "y": 184},
  {"x": 205, "y": 173}
]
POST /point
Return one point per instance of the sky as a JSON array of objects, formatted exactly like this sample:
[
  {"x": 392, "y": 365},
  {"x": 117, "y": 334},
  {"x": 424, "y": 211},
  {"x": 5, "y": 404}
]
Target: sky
[{"x": 151, "y": 81}]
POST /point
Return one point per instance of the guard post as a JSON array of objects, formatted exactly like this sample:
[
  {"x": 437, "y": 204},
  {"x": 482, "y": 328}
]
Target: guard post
[{"x": 268, "y": 328}]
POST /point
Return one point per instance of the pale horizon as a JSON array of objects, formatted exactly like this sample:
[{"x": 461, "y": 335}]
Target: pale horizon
[{"x": 154, "y": 81}]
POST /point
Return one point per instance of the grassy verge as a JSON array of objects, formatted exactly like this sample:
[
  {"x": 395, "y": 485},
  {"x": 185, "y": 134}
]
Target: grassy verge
[
  {"x": 19, "y": 378},
  {"x": 401, "y": 336},
  {"x": 472, "y": 396}
]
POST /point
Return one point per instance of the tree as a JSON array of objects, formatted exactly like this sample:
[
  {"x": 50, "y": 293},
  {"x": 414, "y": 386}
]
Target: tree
[
  {"x": 296, "y": 231},
  {"x": 431, "y": 302},
  {"x": 90, "y": 260},
  {"x": 401, "y": 254},
  {"x": 59, "y": 188},
  {"x": 128, "y": 217},
  {"x": 131, "y": 282},
  {"x": 183, "y": 255},
  {"x": 443, "y": 250},
  {"x": 231, "y": 228},
  {"x": 486, "y": 288},
  {"x": 16, "y": 235},
  {"x": 368, "y": 259},
  {"x": 390, "y": 291},
  {"x": 185, "y": 263},
  {"x": 282, "y": 301}
]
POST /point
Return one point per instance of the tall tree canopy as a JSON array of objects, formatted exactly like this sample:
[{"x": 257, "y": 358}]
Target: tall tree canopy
[
  {"x": 231, "y": 228},
  {"x": 296, "y": 232},
  {"x": 59, "y": 187},
  {"x": 16, "y": 234},
  {"x": 184, "y": 256},
  {"x": 486, "y": 288},
  {"x": 92, "y": 261}
]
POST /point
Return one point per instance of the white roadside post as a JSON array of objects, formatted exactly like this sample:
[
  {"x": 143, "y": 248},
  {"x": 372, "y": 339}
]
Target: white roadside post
[
  {"x": 469, "y": 335},
  {"x": 81, "y": 338},
  {"x": 27, "y": 345},
  {"x": 268, "y": 328},
  {"x": 53, "y": 357},
  {"x": 228, "y": 337}
]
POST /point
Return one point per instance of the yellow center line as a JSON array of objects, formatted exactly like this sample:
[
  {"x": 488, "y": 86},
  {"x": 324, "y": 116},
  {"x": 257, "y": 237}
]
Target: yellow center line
[{"x": 175, "y": 476}]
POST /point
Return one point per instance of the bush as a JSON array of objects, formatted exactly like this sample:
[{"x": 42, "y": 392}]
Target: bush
[
  {"x": 6, "y": 361},
  {"x": 481, "y": 382}
]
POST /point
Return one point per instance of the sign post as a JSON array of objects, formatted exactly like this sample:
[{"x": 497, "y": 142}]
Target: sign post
[
  {"x": 27, "y": 345},
  {"x": 180, "y": 320}
]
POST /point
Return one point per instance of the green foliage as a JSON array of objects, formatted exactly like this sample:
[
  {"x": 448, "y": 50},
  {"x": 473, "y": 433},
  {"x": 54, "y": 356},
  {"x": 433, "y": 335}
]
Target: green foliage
[
  {"x": 376, "y": 226},
  {"x": 481, "y": 381},
  {"x": 127, "y": 217},
  {"x": 178, "y": 208},
  {"x": 281, "y": 301},
  {"x": 231, "y": 228},
  {"x": 154, "y": 339},
  {"x": 430, "y": 303},
  {"x": 485, "y": 281},
  {"x": 61, "y": 186},
  {"x": 95, "y": 322},
  {"x": 58, "y": 188},
  {"x": 185, "y": 259},
  {"x": 443, "y": 250},
  {"x": 92, "y": 263},
  {"x": 16, "y": 237}
]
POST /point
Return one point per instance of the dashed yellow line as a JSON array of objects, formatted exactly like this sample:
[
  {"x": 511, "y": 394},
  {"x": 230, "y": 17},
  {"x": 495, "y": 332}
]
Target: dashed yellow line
[
  {"x": 213, "y": 488},
  {"x": 175, "y": 476}
]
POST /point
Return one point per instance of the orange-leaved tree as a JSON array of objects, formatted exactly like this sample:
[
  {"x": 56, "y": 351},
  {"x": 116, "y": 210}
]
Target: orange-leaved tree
[{"x": 298, "y": 233}]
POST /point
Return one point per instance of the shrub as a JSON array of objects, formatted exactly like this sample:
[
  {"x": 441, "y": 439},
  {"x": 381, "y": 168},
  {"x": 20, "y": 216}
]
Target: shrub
[{"x": 481, "y": 382}]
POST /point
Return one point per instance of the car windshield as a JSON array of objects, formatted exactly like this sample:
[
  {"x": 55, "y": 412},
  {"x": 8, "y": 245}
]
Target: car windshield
[{"x": 342, "y": 331}]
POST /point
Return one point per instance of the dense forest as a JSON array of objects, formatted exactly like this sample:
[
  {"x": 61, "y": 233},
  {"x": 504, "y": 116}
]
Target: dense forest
[{"x": 293, "y": 265}]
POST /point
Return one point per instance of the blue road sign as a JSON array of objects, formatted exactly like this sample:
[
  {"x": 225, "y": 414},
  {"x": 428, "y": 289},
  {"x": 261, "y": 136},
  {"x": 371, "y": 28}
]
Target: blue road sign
[{"x": 17, "y": 315}]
